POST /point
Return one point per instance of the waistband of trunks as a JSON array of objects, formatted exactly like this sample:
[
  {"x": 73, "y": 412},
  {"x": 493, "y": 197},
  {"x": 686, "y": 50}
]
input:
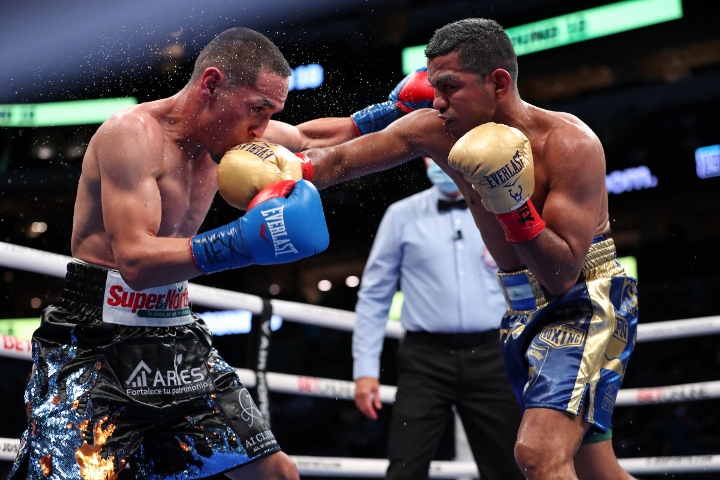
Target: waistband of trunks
[
  {"x": 84, "y": 285},
  {"x": 451, "y": 340},
  {"x": 101, "y": 292},
  {"x": 524, "y": 294}
]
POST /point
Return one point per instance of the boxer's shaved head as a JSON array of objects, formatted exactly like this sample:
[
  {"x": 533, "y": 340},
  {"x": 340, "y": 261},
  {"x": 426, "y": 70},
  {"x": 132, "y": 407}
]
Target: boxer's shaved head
[{"x": 241, "y": 53}]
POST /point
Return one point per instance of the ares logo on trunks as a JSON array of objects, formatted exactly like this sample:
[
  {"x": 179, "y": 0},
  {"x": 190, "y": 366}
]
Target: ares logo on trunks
[
  {"x": 275, "y": 225},
  {"x": 181, "y": 379},
  {"x": 560, "y": 336}
]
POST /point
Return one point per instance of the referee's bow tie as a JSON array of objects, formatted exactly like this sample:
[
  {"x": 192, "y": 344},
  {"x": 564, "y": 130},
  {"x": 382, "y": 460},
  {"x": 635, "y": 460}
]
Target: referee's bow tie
[{"x": 444, "y": 205}]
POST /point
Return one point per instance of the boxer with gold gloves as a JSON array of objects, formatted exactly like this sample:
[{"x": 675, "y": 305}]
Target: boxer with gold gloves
[{"x": 534, "y": 180}]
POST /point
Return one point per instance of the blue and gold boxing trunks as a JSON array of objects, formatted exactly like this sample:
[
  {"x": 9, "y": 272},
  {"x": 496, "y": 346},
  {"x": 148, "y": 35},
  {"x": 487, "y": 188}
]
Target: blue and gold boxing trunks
[
  {"x": 129, "y": 379},
  {"x": 570, "y": 351}
]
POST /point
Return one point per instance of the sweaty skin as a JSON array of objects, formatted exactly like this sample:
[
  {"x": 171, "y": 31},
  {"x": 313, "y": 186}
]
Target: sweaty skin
[
  {"x": 148, "y": 176},
  {"x": 552, "y": 136},
  {"x": 148, "y": 180},
  {"x": 570, "y": 195}
]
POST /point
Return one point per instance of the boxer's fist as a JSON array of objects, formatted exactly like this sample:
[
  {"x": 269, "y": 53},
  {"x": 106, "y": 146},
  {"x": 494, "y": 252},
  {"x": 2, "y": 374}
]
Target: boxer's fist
[
  {"x": 285, "y": 224},
  {"x": 414, "y": 92},
  {"x": 497, "y": 160},
  {"x": 249, "y": 167}
]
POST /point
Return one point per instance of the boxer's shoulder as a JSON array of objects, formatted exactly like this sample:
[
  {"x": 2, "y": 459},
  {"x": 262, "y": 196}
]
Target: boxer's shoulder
[
  {"x": 128, "y": 133},
  {"x": 561, "y": 137},
  {"x": 559, "y": 127}
]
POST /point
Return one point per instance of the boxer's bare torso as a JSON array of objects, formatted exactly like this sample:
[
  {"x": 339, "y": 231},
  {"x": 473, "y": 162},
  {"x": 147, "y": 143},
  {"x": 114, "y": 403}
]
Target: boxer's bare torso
[
  {"x": 149, "y": 178},
  {"x": 177, "y": 183},
  {"x": 578, "y": 177}
]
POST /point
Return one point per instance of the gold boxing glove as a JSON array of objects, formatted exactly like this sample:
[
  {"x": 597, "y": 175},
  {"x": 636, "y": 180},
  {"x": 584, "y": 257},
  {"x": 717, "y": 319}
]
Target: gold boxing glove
[
  {"x": 497, "y": 160},
  {"x": 247, "y": 168}
]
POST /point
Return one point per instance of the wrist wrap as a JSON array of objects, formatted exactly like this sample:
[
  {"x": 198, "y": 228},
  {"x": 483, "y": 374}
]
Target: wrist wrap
[
  {"x": 375, "y": 117},
  {"x": 522, "y": 224},
  {"x": 307, "y": 167}
]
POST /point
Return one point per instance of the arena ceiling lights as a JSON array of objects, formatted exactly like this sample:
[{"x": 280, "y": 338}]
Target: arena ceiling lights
[{"x": 574, "y": 27}]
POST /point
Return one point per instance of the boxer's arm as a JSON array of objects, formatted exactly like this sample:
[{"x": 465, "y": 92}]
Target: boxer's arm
[
  {"x": 129, "y": 157},
  {"x": 411, "y": 94},
  {"x": 571, "y": 210},
  {"x": 415, "y": 135},
  {"x": 321, "y": 132}
]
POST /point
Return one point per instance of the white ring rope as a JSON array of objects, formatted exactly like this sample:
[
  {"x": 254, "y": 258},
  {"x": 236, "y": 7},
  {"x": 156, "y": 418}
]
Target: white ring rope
[
  {"x": 38, "y": 261},
  {"x": 375, "y": 468},
  {"x": 345, "y": 390},
  {"x": 55, "y": 265}
]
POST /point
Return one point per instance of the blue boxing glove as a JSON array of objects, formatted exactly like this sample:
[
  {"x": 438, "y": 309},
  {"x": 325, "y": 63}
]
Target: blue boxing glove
[
  {"x": 412, "y": 93},
  {"x": 277, "y": 228}
]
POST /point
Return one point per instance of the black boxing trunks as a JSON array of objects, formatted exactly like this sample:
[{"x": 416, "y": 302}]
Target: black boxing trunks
[
  {"x": 570, "y": 351},
  {"x": 125, "y": 378}
]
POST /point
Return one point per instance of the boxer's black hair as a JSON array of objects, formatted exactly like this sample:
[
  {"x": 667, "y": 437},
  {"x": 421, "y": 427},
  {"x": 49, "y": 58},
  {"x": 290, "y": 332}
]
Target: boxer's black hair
[
  {"x": 241, "y": 53},
  {"x": 481, "y": 43}
]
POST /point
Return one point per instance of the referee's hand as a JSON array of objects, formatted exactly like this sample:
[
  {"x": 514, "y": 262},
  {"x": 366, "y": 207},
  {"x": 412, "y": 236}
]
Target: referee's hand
[{"x": 367, "y": 397}]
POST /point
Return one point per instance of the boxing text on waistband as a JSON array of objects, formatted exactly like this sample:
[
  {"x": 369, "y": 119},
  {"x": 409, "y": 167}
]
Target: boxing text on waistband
[{"x": 167, "y": 306}]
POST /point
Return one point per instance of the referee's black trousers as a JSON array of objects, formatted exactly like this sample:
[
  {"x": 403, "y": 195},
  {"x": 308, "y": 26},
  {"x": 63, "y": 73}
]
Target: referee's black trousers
[{"x": 436, "y": 372}]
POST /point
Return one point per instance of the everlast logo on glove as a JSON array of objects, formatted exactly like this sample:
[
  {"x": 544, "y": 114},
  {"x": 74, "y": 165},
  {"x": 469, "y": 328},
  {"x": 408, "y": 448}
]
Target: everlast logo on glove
[
  {"x": 522, "y": 223},
  {"x": 506, "y": 173},
  {"x": 260, "y": 150},
  {"x": 275, "y": 224}
]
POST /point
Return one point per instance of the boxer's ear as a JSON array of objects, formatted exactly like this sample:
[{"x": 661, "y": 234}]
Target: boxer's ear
[
  {"x": 210, "y": 80},
  {"x": 501, "y": 80}
]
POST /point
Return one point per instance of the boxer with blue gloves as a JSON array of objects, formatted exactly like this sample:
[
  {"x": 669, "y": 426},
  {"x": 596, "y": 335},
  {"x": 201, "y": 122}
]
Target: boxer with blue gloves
[{"x": 121, "y": 343}]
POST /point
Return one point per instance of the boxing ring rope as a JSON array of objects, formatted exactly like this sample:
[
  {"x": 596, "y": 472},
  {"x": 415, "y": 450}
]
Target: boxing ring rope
[{"x": 46, "y": 263}]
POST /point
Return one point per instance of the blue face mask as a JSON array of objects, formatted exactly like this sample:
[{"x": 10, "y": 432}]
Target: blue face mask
[{"x": 441, "y": 179}]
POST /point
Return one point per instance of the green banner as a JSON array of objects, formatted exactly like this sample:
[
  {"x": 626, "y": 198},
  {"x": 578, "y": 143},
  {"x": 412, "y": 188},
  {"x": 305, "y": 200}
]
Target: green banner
[
  {"x": 574, "y": 27},
  {"x": 55, "y": 114},
  {"x": 19, "y": 327}
]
